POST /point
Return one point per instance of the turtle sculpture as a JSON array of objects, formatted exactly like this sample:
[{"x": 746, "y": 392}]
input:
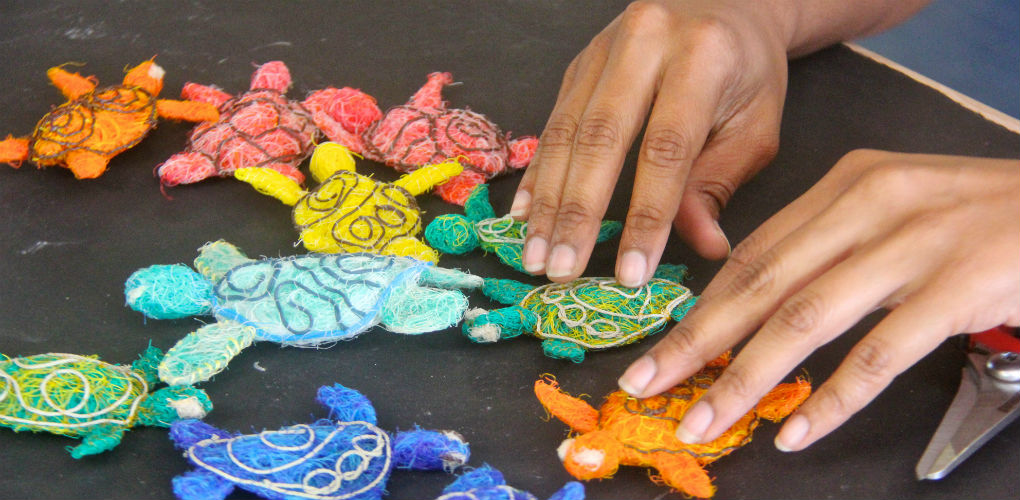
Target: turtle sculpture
[
  {"x": 343, "y": 457},
  {"x": 350, "y": 212},
  {"x": 96, "y": 124},
  {"x": 306, "y": 301},
  {"x": 479, "y": 227},
  {"x": 258, "y": 128},
  {"x": 487, "y": 483},
  {"x": 83, "y": 397},
  {"x": 583, "y": 314},
  {"x": 426, "y": 131},
  {"x": 642, "y": 432}
]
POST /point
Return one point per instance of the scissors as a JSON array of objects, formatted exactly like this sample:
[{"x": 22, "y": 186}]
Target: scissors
[{"x": 987, "y": 401}]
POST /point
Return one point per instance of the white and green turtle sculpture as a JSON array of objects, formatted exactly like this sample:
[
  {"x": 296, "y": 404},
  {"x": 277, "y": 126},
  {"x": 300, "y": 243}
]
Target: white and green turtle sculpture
[
  {"x": 305, "y": 300},
  {"x": 479, "y": 227},
  {"x": 583, "y": 314},
  {"x": 83, "y": 397}
]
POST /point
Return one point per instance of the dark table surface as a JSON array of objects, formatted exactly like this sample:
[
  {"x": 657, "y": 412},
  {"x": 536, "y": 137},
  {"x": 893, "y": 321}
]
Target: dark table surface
[{"x": 68, "y": 245}]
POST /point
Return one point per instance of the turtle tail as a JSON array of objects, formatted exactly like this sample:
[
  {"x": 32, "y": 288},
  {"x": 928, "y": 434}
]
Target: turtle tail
[{"x": 147, "y": 364}]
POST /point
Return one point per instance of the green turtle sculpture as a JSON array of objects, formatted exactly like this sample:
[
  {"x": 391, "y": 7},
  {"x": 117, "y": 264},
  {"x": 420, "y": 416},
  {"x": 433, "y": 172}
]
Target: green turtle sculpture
[
  {"x": 583, "y": 314},
  {"x": 479, "y": 227},
  {"x": 83, "y": 397}
]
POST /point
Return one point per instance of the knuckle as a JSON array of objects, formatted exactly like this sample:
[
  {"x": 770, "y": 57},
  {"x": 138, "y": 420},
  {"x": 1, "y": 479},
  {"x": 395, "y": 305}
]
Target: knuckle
[
  {"x": 869, "y": 362},
  {"x": 740, "y": 382},
  {"x": 645, "y": 219},
  {"x": 599, "y": 130},
  {"x": 717, "y": 192},
  {"x": 748, "y": 250},
  {"x": 666, "y": 149},
  {"x": 714, "y": 37},
  {"x": 834, "y": 402},
  {"x": 681, "y": 343},
  {"x": 801, "y": 314},
  {"x": 756, "y": 278},
  {"x": 559, "y": 132},
  {"x": 573, "y": 214},
  {"x": 541, "y": 210},
  {"x": 643, "y": 17}
]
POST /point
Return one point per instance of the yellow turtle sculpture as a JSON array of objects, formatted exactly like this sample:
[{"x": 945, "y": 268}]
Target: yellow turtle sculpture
[{"x": 350, "y": 212}]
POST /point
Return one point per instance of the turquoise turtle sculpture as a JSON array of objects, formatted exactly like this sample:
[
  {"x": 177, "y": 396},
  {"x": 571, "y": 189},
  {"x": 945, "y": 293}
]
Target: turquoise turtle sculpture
[
  {"x": 306, "y": 301},
  {"x": 83, "y": 397},
  {"x": 581, "y": 315},
  {"x": 343, "y": 457},
  {"x": 479, "y": 227},
  {"x": 487, "y": 483}
]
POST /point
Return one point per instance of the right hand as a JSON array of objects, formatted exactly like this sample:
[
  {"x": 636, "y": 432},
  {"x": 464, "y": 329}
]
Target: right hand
[{"x": 710, "y": 76}]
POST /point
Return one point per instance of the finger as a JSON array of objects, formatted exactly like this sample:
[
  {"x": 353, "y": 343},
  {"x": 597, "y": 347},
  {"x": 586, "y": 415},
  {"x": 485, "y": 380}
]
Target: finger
[
  {"x": 610, "y": 123},
  {"x": 734, "y": 155},
  {"x": 756, "y": 291},
  {"x": 538, "y": 194},
  {"x": 810, "y": 318},
  {"x": 907, "y": 334}
]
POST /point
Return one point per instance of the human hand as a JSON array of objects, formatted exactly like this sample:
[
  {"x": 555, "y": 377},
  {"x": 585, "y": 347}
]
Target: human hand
[
  {"x": 936, "y": 239},
  {"x": 711, "y": 77}
]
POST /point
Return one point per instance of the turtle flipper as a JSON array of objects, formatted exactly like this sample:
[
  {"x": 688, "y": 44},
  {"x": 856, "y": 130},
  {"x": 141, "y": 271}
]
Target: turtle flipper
[
  {"x": 682, "y": 472},
  {"x": 561, "y": 349},
  {"x": 186, "y": 433},
  {"x": 609, "y": 229},
  {"x": 189, "y": 111},
  {"x": 147, "y": 365},
  {"x": 412, "y": 309},
  {"x": 429, "y": 450},
  {"x": 427, "y": 177},
  {"x": 409, "y": 246},
  {"x": 783, "y": 399},
  {"x": 216, "y": 258},
  {"x": 506, "y": 291},
  {"x": 204, "y": 93},
  {"x": 186, "y": 168},
  {"x": 346, "y": 404},
  {"x": 477, "y": 207},
  {"x": 201, "y": 485},
  {"x": 677, "y": 273},
  {"x": 271, "y": 183},
  {"x": 683, "y": 308},
  {"x": 72, "y": 85},
  {"x": 441, "y": 277},
  {"x": 14, "y": 150},
  {"x": 86, "y": 164},
  {"x": 343, "y": 114},
  {"x": 430, "y": 95},
  {"x": 205, "y": 352},
  {"x": 503, "y": 323},
  {"x": 482, "y": 477},
  {"x": 102, "y": 437},
  {"x": 573, "y": 411},
  {"x": 512, "y": 255},
  {"x": 457, "y": 189},
  {"x": 570, "y": 491}
]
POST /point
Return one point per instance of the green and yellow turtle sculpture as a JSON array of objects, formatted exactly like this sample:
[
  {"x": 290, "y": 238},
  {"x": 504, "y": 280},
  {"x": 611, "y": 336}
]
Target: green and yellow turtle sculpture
[
  {"x": 583, "y": 314},
  {"x": 83, "y": 397},
  {"x": 349, "y": 212}
]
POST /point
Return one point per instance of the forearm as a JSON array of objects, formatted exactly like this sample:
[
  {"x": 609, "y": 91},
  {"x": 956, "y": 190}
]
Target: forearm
[{"x": 812, "y": 24}]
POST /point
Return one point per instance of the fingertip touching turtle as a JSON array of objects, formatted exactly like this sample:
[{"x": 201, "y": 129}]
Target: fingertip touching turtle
[
  {"x": 642, "y": 432},
  {"x": 479, "y": 227},
  {"x": 425, "y": 131},
  {"x": 305, "y": 301},
  {"x": 261, "y": 127},
  {"x": 85, "y": 398},
  {"x": 96, "y": 124},
  {"x": 581, "y": 315},
  {"x": 350, "y": 212},
  {"x": 343, "y": 457},
  {"x": 487, "y": 483}
]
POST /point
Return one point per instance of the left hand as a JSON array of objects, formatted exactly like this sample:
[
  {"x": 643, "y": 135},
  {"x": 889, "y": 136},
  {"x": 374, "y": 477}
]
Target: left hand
[{"x": 936, "y": 239}]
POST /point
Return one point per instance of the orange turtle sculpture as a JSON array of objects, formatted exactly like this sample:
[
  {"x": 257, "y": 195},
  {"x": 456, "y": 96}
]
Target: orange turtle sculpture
[
  {"x": 642, "y": 432},
  {"x": 94, "y": 125}
]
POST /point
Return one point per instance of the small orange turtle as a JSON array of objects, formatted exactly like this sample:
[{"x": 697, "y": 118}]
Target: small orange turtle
[
  {"x": 95, "y": 125},
  {"x": 642, "y": 432}
]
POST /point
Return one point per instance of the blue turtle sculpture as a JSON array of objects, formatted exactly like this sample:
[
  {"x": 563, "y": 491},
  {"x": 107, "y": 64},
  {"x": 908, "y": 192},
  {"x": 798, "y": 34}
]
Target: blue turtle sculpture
[
  {"x": 487, "y": 483},
  {"x": 343, "y": 457}
]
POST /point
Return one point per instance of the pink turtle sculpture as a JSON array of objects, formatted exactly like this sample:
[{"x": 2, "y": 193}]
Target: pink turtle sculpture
[
  {"x": 424, "y": 131},
  {"x": 259, "y": 128}
]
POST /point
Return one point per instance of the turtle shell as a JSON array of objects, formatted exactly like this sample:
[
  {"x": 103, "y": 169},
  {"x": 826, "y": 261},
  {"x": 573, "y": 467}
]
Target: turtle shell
[
  {"x": 649, "y": 425},
  {"x": 350, "y": 212},
  {"x": 408, "y": 137},
  {"x": 256, "y": 129},
  {"x": 324, "y": 460},
  {"x": 67, "y": 394},
  {"x": 598, "y": 313},
  {"x": 312, "y": 299},
  {"x": 105, "y": 121}
]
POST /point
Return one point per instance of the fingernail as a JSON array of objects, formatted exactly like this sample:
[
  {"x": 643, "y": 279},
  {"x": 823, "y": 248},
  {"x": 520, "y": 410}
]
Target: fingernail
[
  {"x": 534, "y": 254},
  {"x": 561, "y": 261},
  {"x": 694, "y": 424},
  {"x": 729, "y": 248},
  {"x": 638, "y": 375},
  {"x": 633, "y": 267},
  {"x": 520, "y": 204},
  {"x": 792, "y": 433}
]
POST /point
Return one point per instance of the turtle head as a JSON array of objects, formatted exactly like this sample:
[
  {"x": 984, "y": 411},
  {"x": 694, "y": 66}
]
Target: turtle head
[
  {"x": 148, "y": 76},
  {"x": 168, "y": 292},
  {"x": 430, "y": 450},
  {"x": 174, "y": 403},
  {"x": 591, "y": 456},
  {"x": 345, "y": 404},
  {"x": 452, "y": 233}
]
